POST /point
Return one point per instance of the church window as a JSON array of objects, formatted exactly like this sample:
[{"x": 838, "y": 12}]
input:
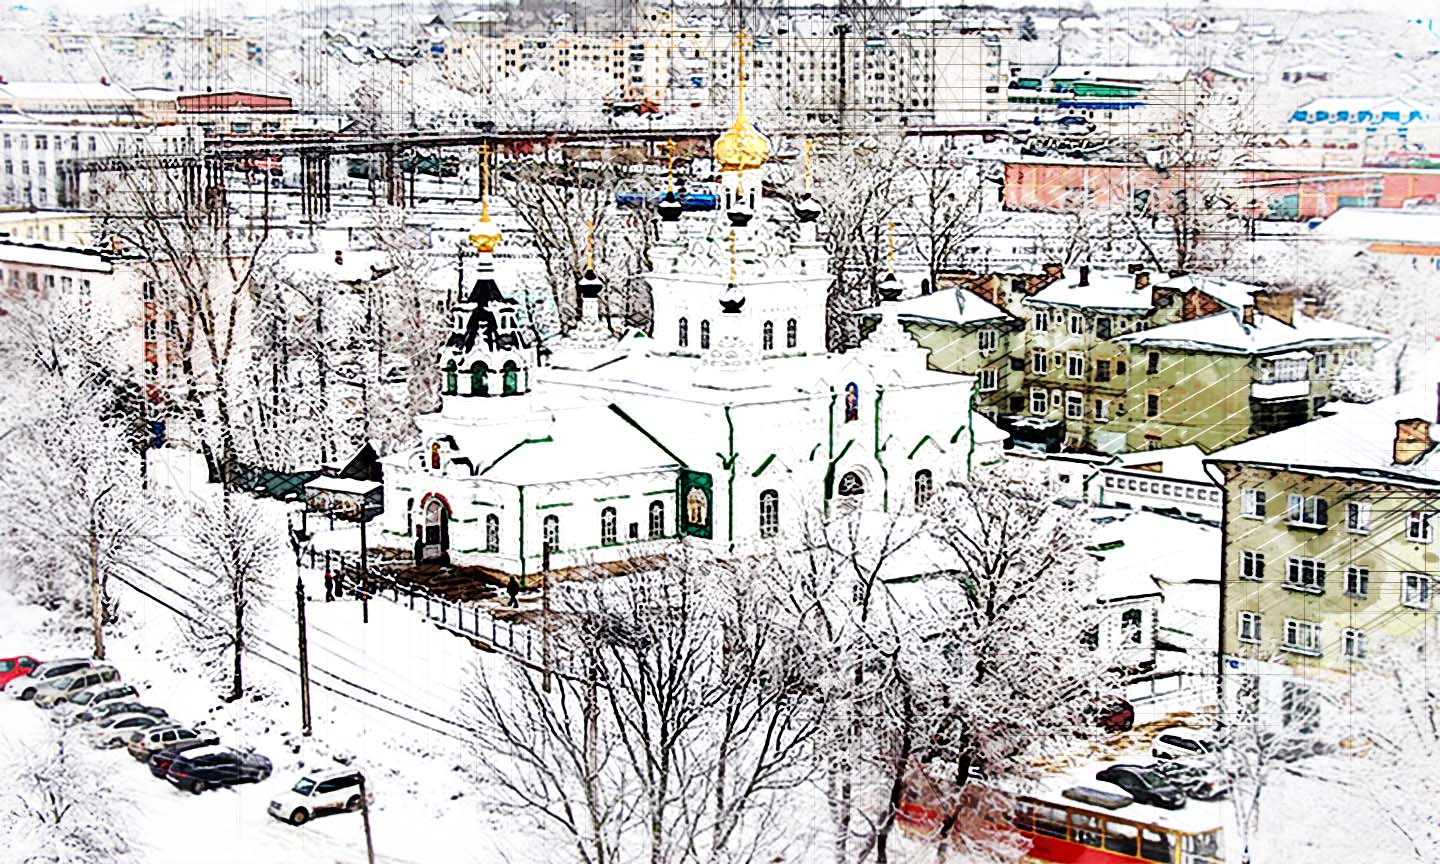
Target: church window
[
  {"x": 767, "y": 337},
  {"x": 852, "y": 402},
  {"x": 479, "y": 386},
  {"x": 704, "y": 335},
  {"x": 492, "y": 533},
  {"x": 451, "y": 384},
  {"x": 551, "y": 532},
  {"x": 924, "y": 486},
  {"x": 511, "y": 378},
  {"x": 769, "y": 513},
  {"x": 435, "y": 455},
  {"x": 657, "y": 519},
  {"x": 790, "y": 333},
  {"x": 684, "y": 337},
  {"x": 851, "y": 485},
  {"x": 607, "y": 527}
]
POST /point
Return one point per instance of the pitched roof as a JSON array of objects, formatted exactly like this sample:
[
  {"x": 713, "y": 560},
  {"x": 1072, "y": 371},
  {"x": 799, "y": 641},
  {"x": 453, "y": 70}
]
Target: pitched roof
[
  {"x": 951, "y": 307},
  {"x": 1227, "y": 333},
  {"x": 1420, "y": 225},
  {"x": 1357, "y": 440},
  {"x": 1234, "y": 294},
  {"x": 1112, "y": 290},
  {"x": 1138, "y": 74}
]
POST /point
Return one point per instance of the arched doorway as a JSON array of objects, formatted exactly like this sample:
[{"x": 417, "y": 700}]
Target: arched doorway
[
  {"x": 435, "y": 541},
  {"x": 850, "y": 491},
  {"x": 511, "y": 381}
]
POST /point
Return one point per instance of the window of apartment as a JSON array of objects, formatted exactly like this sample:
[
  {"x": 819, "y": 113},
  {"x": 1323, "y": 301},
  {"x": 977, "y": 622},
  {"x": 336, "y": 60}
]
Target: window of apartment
[
  {"x": 1055, "y": 398},
  {"x": 1102, "y": 370},
  {"x": 1415, "y": 592},
  {"x": 1152, "y": 404},
  {"x": 989, "y": 380},
  {"x": 1354, "y": 643},
  {"x": 989, "y": 339},
  {"x": 1357, "y": 517},
  {"x": 1152, "y": 363},
  {"x": 1102, "y": 328},
  {"x": 1302, "y": 637},
  {"x": 1119, "y": 367},
  {"x": 1252, "y": 503},
  {"x": 1357, "y": 581},
  {"x": 1250, "y": 627},
  {"x": 1041, "y": 322},
  {"x": 1040, "y": 363},
  {"x": 1252, "y": 565},
  {"x": 1077, "y": 325},
  {"x": 1420, "y": 527},
  {"x": 1037, "y": 400},
  {"x": 1308, "y": 511},
  {"x": 1305, "y": 574},
  {"x": 1102, "y": 409},
  {"x": 1075, "y": 364},
  {"x": 1074, "y": 406}
]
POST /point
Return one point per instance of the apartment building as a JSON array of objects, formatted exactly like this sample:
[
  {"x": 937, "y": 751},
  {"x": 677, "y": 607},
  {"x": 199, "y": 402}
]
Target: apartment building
[
  {"x": 1329, "y": 547},
  {"x": 35, "y": 154},
  {"x": 1112, "y": 99}
]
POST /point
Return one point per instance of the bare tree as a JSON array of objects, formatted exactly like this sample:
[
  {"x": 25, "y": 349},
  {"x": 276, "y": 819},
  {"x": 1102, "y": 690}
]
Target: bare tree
[
  {"x": 946, "y": 206},
  {"x": 63, "y": 806}
]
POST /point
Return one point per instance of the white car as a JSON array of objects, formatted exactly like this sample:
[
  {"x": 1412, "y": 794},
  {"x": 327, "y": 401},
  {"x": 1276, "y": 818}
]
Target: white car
[
  {"x": 60, "y": 689},
  {"x": 333, "y": 790},
  {"x": 115, "y": 731},
  {"x": 93, "y": 697},
  {"x": 26, "y": 686},
  {"x": 1182, "y": 743}
]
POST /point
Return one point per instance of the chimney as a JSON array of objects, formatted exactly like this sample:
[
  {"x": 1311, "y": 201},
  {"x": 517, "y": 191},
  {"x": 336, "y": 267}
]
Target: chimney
[
  {"x": 1142, "y": 280},
  {"x": 1281, "y": 307},
  {"x": 1412, "y": 440},
  {"x": 339, "y": 257},
  {"x": 1053, "y": 272},
  {"x": 1248, "y": 315},
  {"x": 1084, "y": 276}
]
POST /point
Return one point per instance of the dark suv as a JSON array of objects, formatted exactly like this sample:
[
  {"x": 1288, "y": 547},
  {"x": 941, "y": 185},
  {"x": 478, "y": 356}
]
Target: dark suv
[
  {"x": 1147, "y": 787},
  {"x": 212, "y": 767},
  {"x": 160, "y": 761}
]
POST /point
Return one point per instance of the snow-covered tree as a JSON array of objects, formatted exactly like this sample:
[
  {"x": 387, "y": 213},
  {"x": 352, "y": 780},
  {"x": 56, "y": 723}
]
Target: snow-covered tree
[
  {"x": 1356, "y": 382},
  {"x": 62, "y": 804}
]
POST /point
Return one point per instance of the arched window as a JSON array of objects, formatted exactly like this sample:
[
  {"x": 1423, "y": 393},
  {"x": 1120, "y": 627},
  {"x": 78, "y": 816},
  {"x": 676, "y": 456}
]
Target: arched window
[
  {"x": 479, "y": 379},
  {"x": 924, "y": 486},
  {"x": 657, "y": 519},
  {"x": 435, "y": 455},
  {"x": 492, "y": 533},
  {"x": 852, "y": 402},
  {"x": 451, "y": 384},
  {"x": 511, "y": 378},
  {"x": 607, "y": 527},
  {"x": 551, "y": 532},
  {"x": 409, "y": 516},
  {"x": 684, "y": 335},
  {"x": 851, "y": 485},
  {"x": 791, "y": 334},
  {"x": 704, "y": 335},
  {"x": 767, "y": 336},
  {"x": 769, "y": 513}
]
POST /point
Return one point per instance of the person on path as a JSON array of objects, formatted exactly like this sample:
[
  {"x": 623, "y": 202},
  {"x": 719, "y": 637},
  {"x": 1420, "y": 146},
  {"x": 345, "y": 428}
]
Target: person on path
[
  {"x": 513, "y": 589},
  {"x": 329, "y": 587}
]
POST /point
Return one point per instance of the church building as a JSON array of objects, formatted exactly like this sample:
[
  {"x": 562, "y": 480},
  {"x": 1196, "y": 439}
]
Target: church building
[{"x": 732, "y": 425}]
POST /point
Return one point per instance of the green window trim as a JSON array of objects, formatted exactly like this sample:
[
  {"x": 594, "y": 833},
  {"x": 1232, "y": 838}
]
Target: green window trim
[
  {"x": 956, "y": 436},
  {"x": 921, "y": 443},
  {"x": 554, "y": 505},
  {"x": 830, "y": 471},
  {"x": 613, "y": 497},
  {"x": 763, "y": 465},
  {"x": 620, "y": 412},
  {"x": 546, "y": 440},
  {"x": 660, "y": 492},
  {"x": 813, "y": 450}
]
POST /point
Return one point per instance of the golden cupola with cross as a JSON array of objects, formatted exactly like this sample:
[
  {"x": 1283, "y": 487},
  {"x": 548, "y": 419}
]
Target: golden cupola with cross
[
  {"x": 742, "y": 147},
  {"x": 486, "y": 235}
]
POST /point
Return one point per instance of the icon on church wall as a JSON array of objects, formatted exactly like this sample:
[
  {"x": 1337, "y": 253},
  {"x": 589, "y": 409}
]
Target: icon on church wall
[
  {"x": 852, "y": 402},
  {"x": 435, "y": 455},
  {"x": 695, "y": 489}
]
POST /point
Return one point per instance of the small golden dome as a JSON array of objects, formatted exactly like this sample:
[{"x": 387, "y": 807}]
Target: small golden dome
[
  {"x": 486, "y": 235},
  {"x": 742, "y": 147}
]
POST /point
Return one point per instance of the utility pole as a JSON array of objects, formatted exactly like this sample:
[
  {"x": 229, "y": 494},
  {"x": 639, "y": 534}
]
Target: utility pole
[
  {"x": 97, "y": 601},
  {"x": 365, "y": 815},
  {"x": 545, "y": 619},
  {"x": 364, "y": 571},
  {"x": 304, "y": 658}
]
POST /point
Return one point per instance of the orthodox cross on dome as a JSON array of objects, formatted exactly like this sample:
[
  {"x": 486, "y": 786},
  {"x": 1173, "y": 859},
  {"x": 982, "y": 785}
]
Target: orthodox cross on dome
[
  {"x": 589, "y": 244},
  {"x": 809, "y": 145},
  {"x": 741, "y": 40},
  {"x": 669, "y": 165},
  {"x": 485, "y": 237},
  {"x": 890, "y": 237},
  {"x": 732, "y": 256},
  {"x": 741, "y": 146}
]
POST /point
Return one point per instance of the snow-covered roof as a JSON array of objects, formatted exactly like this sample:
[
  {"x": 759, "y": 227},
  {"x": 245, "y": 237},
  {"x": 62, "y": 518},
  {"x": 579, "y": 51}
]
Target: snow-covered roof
[
  {"x": 66, "y": 91},
  {"x": 1138, "y": 551},
  {"x": 1234, "y": 294},
  {"x": 1358, "y": 440},
  {"x": 1421, "y": 225},
  {"x": 952, "y": 307},
  {"x": 1227, "y": 333},
  {"x": 568, "y": 450},
  {"x": 1136, "y": 74},
  {"x": 1185, "y": 462},
  {"x": 1376, "y": 105},
  {"x": 343, "y": 484},
  {"x": 49, "y": 256},
  {"x": 1107, "y": 290}
]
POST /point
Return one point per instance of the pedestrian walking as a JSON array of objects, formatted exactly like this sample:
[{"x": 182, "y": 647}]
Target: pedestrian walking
[
  {"x": 329, "y": 587},
  {"x": 513, "y": 589}
]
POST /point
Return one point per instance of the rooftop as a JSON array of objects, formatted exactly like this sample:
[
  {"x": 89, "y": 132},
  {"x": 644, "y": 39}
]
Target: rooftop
[
  {"x": 1139, "y": 74},
  {"x": 1185, "y": 462},
  {"x": 950, "y": 307},
  {"x": 1227, "y": 333},
  {"x": 1419, "y": 226},
  {"x": 1356, "y": 441},
  {"x": 1112, "y": 290},
  {"x": 1234, "y": 294}
]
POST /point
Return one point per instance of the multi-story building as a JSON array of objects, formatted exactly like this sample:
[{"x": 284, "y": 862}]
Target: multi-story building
[
  {"x": 57, "y": 227},
  {"x": 35, "y": 154},
  {"x": 1117, "y": 100},
  {"x": 1329, "y": 547}
]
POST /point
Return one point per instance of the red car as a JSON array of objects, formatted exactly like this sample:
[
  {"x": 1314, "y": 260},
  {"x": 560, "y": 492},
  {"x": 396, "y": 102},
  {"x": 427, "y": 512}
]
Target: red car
[{"x": 14, "y": 667}]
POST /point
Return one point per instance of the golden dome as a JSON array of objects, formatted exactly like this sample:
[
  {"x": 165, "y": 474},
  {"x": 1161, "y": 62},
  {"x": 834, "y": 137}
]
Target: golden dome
[
  {"x": 486, "y": 235},
  {"x": 742, "y": 147}
]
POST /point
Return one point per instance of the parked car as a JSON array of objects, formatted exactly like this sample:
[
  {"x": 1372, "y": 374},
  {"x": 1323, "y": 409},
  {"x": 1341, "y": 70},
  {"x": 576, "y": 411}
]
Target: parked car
[
  {"x": 26, "y": 686},
  {"x": 60, "y": 689},
  {"x": 150, "y": 741},
  {"x": 112, "y": 731},
  {"x": 93, "y": 697},
  {"x": 160, "y": 760},
  {"x": 1202, "y": 782},
  {"x": 212, "y": 767},
  {"x": 1182, "y": 743},
  {"x": 319, "y": 792},
  {"x": 109, "y": 709},
  {"x": 1148, "y": 787},
  {"x": 1112, "y": 713},
  {"x": 16, "y": 667},
  {"x": 1100, "y": 794}
]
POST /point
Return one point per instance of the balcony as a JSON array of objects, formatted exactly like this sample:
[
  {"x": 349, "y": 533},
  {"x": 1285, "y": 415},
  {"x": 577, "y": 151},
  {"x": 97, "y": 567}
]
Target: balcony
[
  {"x": 1280, "y": 390},
  {"x": 1285, "y": 376}
]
